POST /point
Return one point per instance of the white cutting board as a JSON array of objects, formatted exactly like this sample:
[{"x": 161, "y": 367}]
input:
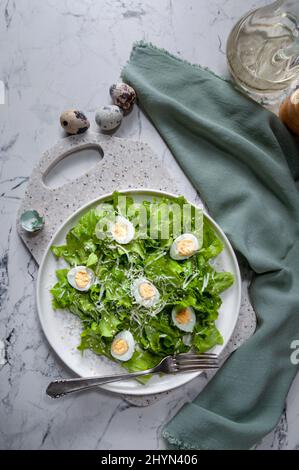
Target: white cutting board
[{"x": 125, "y": 164}]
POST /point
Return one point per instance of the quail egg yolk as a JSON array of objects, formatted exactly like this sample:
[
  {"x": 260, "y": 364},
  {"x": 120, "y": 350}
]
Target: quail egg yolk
[
  {"x": 146, "y": 290},
  {"x": 183, "y": 316},
  {"x": 82, "y": 279},
  {"x": 120, "y": 230},
  {"x": 186, "y": 247},
  {"x": 120, "y": 347}
]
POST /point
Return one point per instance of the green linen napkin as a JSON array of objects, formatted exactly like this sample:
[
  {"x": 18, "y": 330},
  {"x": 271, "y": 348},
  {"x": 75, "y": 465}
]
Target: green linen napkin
[{"x": 244, "y": 162}]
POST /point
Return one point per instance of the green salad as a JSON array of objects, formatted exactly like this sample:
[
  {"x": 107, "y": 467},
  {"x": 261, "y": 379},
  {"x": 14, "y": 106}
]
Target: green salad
[{"x": 139, "y": 297}]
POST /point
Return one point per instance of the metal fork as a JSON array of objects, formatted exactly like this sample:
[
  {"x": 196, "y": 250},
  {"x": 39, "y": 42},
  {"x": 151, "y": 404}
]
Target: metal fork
[{"x": 169, "y": 365}]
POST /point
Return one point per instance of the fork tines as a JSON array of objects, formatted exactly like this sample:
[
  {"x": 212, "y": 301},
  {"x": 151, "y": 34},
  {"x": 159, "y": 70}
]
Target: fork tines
[
  {"x": 194, "y": 362},
  {"x": 194, "y": 355}
]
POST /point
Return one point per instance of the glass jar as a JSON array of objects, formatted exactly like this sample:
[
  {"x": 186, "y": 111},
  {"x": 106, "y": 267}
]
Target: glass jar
[{"x": 263, "y": 50}]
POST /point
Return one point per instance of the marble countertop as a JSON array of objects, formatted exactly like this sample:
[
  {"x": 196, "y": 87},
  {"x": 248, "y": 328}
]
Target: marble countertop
[{"x": 57, "y": 55}]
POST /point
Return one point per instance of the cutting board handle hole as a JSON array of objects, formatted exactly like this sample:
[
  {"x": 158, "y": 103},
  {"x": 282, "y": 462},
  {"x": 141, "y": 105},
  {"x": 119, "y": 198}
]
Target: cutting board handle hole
[{"x": 72, "y": 165}]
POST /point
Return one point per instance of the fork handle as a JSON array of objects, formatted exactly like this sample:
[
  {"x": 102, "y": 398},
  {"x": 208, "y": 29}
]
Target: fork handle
[{"x": 59, "y": 388}]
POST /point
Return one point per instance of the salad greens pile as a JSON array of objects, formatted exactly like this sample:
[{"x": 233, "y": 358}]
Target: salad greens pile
[{"x": 108, "y": 307}]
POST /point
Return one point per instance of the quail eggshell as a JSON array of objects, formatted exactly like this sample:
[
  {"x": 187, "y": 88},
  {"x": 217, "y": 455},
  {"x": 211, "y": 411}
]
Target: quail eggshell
[
  {"x": 32, "y": 221},
  {"x": 108, "y": 117},
  {"x": 74, "y": 122},
  {"x": 123, "y": 95}
]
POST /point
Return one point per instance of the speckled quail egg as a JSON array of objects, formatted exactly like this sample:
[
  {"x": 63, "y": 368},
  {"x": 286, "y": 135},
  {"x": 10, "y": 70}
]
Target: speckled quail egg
[
  {"x": 184, "y": 318},
  {"x": 74, "y": 121},
  {"x": 123, "y": 346},
  {"x": 184, "y": 246},
  {"x": 145, "y": 293},
  {"x": 123, "y": 95},
  {"x": 81, "y": 278},
  {"x": 122, "y": 230},
  {"x": 108, "y": 117}
]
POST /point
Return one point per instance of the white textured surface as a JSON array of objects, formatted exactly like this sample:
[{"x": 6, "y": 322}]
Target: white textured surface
[{"x": 57, "y": 55}]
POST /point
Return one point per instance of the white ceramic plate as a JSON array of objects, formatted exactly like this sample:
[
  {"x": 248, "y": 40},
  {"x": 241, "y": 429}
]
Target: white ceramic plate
[{"x": 62, "y": 329}]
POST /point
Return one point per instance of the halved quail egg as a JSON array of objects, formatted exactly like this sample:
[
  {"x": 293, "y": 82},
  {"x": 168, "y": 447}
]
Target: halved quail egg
[
  {"x": 123, "y": 346},
  {"x": 122, "y": 230},
  {"x": 184, "y": 318},
  {"x": 145, "y": 293},
  {"x": 184, "y": 246},
  {"x": 81, "y": 278}
]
